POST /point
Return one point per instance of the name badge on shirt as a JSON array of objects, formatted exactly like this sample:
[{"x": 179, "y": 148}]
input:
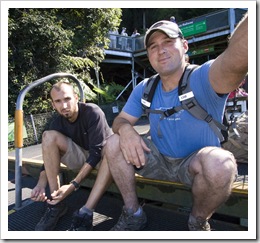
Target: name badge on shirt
[
  {"x": 146, "y": 103},
  {"x": 186, "y": 96}
]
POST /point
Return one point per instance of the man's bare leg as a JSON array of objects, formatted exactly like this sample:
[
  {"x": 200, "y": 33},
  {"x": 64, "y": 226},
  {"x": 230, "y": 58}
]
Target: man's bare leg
[
  {"x": 54, "y": 145},
  {"x": 214, "y": 172},
  {"x": 123, "y": 173},
  {"x": 103, "y": 181}
]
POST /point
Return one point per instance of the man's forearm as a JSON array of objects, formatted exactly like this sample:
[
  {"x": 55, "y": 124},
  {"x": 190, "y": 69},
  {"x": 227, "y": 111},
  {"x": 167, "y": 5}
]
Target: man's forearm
[
  {"x": 238, "y": 45},
  {"x": 84, "y": 171},
  {"x": 230, "y": 68},
  {"x": 119, "y": 123}
]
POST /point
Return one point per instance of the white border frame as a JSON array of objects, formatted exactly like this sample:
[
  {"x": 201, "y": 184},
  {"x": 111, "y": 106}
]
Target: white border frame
[{"x": 250, "y": 234}]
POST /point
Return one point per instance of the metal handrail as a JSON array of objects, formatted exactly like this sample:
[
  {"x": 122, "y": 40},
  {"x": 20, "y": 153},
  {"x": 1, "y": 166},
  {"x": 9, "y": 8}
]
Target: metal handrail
[{"x": 18, "y": 132}]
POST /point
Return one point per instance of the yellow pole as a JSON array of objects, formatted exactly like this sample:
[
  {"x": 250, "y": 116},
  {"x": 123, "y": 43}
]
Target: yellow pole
[{"x": 18, "y": 129}]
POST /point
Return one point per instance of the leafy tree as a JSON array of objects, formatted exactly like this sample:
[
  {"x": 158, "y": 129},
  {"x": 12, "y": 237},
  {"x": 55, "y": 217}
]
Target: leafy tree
[
  {"x": 35, "y": 43},
  {"x": 45, "y": 41}
]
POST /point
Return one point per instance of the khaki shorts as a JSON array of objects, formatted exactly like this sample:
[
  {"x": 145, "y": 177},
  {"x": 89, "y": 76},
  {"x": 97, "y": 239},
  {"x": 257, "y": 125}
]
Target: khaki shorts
[
  {"x": 165, "y": 168},
  {"x": 75, "y": 157}
]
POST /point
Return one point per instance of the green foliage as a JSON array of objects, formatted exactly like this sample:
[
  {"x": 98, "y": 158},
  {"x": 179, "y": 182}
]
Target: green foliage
[
  {"x": 113, "y": 89},
  {"x": 46, "y": 41},
  {"x": 89, "y": 93},
  {"x": 109, "y": 92}
]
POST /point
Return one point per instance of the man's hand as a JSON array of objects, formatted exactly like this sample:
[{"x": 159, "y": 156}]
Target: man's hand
[
  {"x": 133, "y": 146},
  {"x": 38, "y": 194},
  {"x": 60, "y": 194}
]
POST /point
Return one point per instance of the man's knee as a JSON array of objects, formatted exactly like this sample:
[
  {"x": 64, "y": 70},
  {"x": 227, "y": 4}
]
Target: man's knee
[
  {"x": 51, "y": 137},
  {"x": 216, "y": 156},
  {"x": 48, "y": 136},
  {"x": 228, "y": 163},
  {"x": 112, "y": 146},
  {"x": 217, "y": 162},
  {"x": 113, "y": 151}
]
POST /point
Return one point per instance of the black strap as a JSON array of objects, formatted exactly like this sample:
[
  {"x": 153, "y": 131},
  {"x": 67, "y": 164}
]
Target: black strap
[
  {"x": 185, "y": 78},
  {"x": 149, "y": 90}
]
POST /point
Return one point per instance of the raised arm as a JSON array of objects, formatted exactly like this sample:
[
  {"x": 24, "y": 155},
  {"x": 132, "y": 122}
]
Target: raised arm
[{"x": 230, "y": 68}]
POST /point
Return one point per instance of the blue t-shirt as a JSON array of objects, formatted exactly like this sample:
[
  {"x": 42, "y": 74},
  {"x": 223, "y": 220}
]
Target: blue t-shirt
[{"x": 182, "y": 133}]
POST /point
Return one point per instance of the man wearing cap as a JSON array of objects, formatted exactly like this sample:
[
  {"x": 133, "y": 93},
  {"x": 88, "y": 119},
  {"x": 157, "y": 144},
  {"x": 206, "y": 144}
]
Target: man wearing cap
[{"x": 187, "y": 151}]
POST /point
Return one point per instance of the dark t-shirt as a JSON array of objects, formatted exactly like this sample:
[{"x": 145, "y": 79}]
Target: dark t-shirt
[{"x": 89, "y": 131}]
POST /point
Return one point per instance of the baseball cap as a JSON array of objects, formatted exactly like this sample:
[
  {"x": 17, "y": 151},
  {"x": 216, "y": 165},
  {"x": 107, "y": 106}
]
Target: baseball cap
[{"x": 168, "y": 27}]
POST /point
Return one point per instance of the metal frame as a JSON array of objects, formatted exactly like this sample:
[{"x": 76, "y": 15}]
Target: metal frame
[{"x": 19, "y": 128}]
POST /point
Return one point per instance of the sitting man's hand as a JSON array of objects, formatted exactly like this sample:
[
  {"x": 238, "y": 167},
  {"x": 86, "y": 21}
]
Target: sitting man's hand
[
  {"x": 60, "y": 194},
  {"x": 38, "y": 194}
]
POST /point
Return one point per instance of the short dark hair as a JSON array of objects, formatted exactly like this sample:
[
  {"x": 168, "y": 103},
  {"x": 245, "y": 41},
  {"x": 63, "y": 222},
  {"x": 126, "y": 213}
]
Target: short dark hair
[{"x": 57, "y": 86}]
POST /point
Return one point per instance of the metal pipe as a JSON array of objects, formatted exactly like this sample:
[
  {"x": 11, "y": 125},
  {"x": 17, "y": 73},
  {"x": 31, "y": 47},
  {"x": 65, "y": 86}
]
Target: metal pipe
[
  {"x": 232, "y": 19},
  {"x": 34, "y": 128},
  {"x": 124, "y": 89}
]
